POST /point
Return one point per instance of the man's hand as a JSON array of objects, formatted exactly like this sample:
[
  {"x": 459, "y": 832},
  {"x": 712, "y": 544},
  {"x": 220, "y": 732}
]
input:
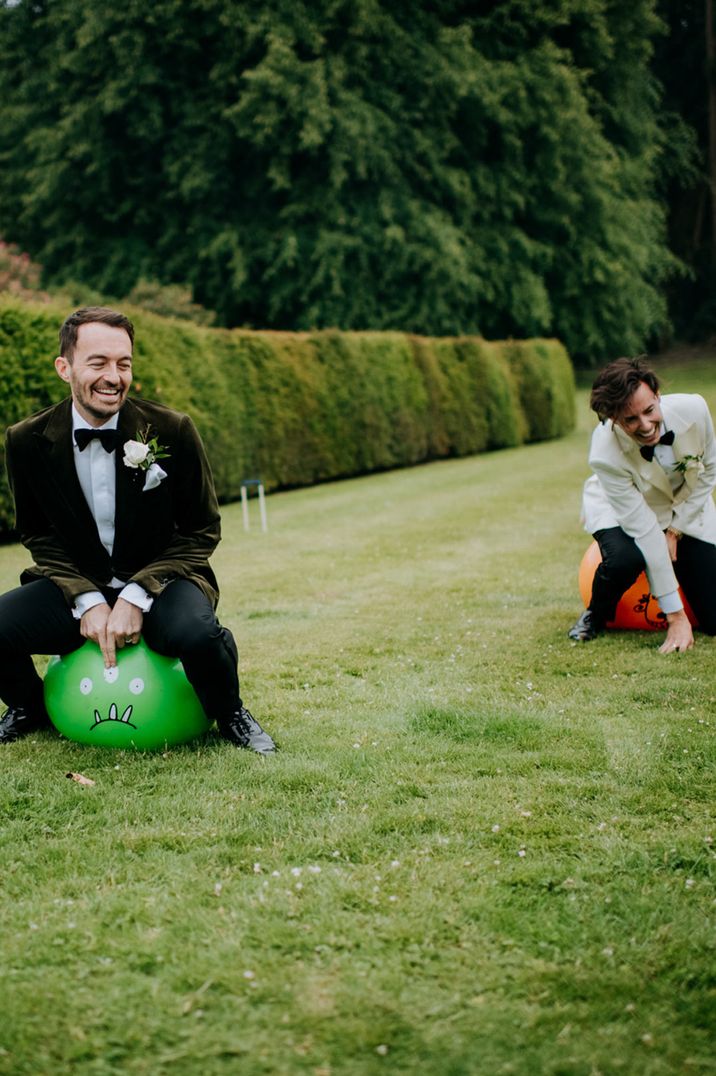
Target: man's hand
[
  {"x": 111, "y": 629},
  {"x": 679, "y": 635},
  {"x": 93, "y": 625},
  {"x": 672, "y": 542}
]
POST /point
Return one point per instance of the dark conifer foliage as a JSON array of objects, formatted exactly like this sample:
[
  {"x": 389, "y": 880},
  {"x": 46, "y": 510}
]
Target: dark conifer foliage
[
  {"x": 434, "y": 167},
  {"x": 688, "y": 161}
]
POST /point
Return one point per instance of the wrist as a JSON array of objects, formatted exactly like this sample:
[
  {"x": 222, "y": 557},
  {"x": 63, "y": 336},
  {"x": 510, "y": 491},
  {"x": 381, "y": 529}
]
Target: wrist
[{"x": 673, "y": 618}]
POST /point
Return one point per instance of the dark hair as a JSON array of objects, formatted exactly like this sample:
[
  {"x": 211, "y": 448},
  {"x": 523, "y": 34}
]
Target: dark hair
[
  {"x": 617, "y": 383},
  {"x": 86, "y": 315}
]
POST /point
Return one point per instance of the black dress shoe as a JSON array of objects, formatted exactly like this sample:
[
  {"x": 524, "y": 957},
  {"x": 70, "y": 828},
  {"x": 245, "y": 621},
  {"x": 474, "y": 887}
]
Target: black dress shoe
[
  {"x": 244, "y": 730},
  {"x": 16, "y": 722},
  {"x": 586, "y": 628}
]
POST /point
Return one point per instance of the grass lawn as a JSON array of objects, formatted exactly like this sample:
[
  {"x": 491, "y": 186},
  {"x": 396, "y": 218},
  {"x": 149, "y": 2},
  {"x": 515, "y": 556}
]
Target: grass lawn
[{"x": 483, "y": 849}]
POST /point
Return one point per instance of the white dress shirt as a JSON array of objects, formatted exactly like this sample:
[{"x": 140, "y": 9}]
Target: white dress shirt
[{"x": 96, "y": 473}]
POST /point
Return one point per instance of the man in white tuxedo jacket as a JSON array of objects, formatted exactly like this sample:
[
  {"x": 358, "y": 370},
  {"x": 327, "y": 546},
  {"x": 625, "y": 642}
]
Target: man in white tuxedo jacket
[{"x": 649, "y": 502}]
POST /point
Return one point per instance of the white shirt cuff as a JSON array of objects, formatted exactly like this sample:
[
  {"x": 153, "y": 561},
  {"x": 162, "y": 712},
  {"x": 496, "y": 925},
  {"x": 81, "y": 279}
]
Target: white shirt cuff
[
  {"x": 86, "y": 601},
  {"x": 671, "y": 602},
  {"x": 137, "y": 596}
]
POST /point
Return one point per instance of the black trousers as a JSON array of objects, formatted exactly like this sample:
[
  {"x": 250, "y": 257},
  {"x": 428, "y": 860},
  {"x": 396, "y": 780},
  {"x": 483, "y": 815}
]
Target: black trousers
[
  {"x": 35, "y": 619},
  {"x": 622, "y": 561}
]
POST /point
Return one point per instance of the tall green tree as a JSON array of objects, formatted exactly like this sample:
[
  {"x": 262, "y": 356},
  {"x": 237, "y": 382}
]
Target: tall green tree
[
  {"x": 435, "y": 166},
  {"x": 685, "y": 58}
]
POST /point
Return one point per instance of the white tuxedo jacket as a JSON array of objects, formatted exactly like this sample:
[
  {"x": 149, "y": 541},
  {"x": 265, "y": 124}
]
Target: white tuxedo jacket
[{"x": 627, "y": 491}]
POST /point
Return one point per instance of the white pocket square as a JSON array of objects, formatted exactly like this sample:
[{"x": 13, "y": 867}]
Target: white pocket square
[{"x": 154, "y": 476}]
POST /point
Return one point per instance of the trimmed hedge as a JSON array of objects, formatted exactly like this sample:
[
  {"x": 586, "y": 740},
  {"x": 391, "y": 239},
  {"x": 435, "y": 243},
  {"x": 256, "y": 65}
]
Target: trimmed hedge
[{"x": 295, "y": 409}]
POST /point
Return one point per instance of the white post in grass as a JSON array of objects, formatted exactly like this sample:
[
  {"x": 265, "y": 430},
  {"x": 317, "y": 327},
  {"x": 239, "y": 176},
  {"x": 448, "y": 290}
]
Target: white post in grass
[
  {"x": 245, "y": 507},
  {"x": 262, "y": 508},
  {"x": 245, "y": 502}
]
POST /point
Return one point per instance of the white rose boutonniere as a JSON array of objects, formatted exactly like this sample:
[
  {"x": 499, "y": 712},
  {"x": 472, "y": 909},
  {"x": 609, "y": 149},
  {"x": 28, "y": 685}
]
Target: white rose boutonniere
[
  {"x": 135, "y": 453},
  {"x": 143, "y": 454},
  {"x": 690, "y": 463}
]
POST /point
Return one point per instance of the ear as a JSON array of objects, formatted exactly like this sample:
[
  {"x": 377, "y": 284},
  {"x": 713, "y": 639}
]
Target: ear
[{"x": 63, "y": 367}]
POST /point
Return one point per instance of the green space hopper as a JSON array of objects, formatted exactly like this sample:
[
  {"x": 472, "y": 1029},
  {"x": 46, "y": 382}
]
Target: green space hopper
[{"x": 145, "y": 703}]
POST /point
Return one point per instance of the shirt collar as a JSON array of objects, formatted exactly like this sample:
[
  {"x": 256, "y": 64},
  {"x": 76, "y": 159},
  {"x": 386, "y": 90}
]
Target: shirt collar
[{"x": 79, "y": 423}]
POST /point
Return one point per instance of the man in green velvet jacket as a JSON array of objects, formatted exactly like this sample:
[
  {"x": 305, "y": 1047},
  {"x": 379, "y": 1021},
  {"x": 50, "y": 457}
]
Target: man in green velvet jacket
[{"x": 115, "y": 501}]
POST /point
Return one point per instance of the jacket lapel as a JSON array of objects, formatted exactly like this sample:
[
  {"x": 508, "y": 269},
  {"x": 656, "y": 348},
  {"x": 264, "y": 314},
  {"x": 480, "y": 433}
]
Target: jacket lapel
[
  {"x": 686, "y": 444},
  {"x": 130, "y": 481},
  {"x": 57, "y": 445},
  {"x": 651, "y": 471}
]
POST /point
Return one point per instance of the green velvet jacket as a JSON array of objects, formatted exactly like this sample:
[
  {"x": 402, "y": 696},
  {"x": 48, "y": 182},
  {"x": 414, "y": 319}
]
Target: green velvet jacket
[{"x": 161, "y": 534}]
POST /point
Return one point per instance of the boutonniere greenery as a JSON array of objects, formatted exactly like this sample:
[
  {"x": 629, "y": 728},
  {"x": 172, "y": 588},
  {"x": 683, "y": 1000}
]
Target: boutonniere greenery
[
  {"x": 687, "y": 463},
  {"x": 142, "y": 454}
]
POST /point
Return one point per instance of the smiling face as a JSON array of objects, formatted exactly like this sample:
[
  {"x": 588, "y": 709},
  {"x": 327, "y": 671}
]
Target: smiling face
[
  {"x": 99, "y": 372},
  {"x": 642, "y": 418}
]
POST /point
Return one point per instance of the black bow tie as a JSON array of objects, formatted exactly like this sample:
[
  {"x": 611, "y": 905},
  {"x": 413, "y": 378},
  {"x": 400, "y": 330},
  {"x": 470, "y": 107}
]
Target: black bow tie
[
  {"x": 108, "y": 438},
  {"x": 647, "y": 451}
]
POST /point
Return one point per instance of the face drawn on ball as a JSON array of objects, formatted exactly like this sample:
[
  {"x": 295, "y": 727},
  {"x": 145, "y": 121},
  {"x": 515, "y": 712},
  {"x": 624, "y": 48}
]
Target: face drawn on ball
[{"x": 112, "y": 677}]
